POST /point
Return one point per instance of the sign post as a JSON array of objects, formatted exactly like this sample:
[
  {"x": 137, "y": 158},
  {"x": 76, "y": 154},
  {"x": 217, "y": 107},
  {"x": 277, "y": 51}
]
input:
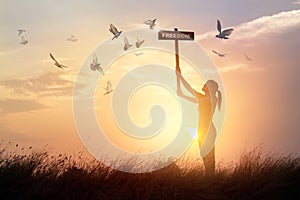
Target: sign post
[
  {"x": 176, "y": 52},
  {"x": 176, "y": 35}
]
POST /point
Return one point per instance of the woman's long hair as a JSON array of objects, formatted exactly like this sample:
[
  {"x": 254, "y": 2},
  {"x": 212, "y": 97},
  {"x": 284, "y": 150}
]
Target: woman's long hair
[
  {"x": 219, "y": 99},
  {"x": 213, "y": 88}
]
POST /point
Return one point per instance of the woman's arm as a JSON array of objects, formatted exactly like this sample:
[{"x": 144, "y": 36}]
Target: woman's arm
[
  {"x": 179, "y": 91},
  {"x": 191, "y": 99},
  {"x": 186, "y": 84}
]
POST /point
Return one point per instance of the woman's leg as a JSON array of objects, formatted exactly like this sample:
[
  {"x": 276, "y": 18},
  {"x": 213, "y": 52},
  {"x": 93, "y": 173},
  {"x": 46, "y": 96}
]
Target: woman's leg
[
  {"x": 208, "y": 150},
  {"x": 209, "y": 162}
]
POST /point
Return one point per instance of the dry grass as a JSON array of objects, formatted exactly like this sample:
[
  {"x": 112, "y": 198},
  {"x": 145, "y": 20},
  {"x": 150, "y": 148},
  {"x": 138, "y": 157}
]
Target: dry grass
[{"x": 38, "y": 175}]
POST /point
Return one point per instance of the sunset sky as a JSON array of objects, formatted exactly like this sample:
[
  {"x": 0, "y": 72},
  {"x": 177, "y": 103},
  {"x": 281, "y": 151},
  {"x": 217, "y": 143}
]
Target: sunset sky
[{"x": 261, "y": 95}]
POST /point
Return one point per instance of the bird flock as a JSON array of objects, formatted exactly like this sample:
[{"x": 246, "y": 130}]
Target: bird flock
[
  {"x": 96, "y": 66},
  {"x": 224, "y": 34}
]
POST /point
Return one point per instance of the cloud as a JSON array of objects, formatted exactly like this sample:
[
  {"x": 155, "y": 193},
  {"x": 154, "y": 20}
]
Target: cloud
[
  {"x": 276, "y": 23},
  {"x": 297, "y": 2},
  {"x": 241, "y": 66},
  {"x": 231, "y": 68},
  {"x": 48, "y": 84},
  {"x": 5, "y": 53},
  {"x": 9, "y": 106},
  {"x": 235, "y": 67}
]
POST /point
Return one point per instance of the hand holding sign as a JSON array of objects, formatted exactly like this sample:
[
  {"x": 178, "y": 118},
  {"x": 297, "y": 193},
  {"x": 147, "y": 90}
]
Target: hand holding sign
[{"x": 176, "y": 35}]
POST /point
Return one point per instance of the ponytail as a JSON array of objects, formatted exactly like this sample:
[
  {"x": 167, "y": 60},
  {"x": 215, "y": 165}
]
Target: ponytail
[
  {"x": 219, "y": 99},
  {"x": 213, "y": 86}
]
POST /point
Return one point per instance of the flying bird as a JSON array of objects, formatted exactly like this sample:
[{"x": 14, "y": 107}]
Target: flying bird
[
  {"x": 72, "y": 38},
  {"x": 219, "y": 54},
  {"x": 247, "y": 57},
  {"x": 23, "y": 41},
  {"x": 20, "y": 31},
  {"x": 223, "y": 34},
  {"x": 127, "y": 45},
  {"x": 114, "y": 31},
  {"x": 57, "y": 63},
  {"x": 139, "y": 42},
  {"x": 151, "y": 23},
  {"x": 138, "y": 54},
  {"x": 95, "y": 65},
  {"x": 108, "y": 88}
]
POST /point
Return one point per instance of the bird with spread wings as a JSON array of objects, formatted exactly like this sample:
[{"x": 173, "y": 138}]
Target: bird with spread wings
[
  {"x": 139, "y": 42},
  {"x": 108, "y": 88},
  {"x": 247, "y": 57},
  {"x": 151, "y": 23},
  {"x": 95, "y": 65},
  {"x": 72, "y": 38},
  {"x": 126, "y": 45},
  {"x": 219, "y": 54},
  {"x": 114, "y": 31},
  {"x": 56, "y": 63},
  {"x": 225, "y": 33}
]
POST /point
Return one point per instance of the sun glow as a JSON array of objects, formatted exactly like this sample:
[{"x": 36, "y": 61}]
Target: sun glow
[{"x": 193, "y": 133}]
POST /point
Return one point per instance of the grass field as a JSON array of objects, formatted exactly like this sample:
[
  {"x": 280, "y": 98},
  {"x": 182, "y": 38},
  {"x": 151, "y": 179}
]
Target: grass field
[{"x": 27, "y": 174}]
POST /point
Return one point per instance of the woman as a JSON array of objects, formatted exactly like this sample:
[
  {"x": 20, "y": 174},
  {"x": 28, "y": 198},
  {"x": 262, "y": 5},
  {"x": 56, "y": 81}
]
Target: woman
[{"x": 206, "y": 108}]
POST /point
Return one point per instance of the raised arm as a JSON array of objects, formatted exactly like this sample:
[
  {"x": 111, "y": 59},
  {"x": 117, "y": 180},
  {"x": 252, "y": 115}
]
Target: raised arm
[
  {"x": 186, "y": 84},
  {"x": 191, "y": 99},
  {"x": 179, "y": 91}
]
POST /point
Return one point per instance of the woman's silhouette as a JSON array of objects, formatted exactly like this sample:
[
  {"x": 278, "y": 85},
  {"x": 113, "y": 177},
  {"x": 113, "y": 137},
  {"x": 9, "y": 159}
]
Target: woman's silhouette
[{"x": 206, "y": 108}]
